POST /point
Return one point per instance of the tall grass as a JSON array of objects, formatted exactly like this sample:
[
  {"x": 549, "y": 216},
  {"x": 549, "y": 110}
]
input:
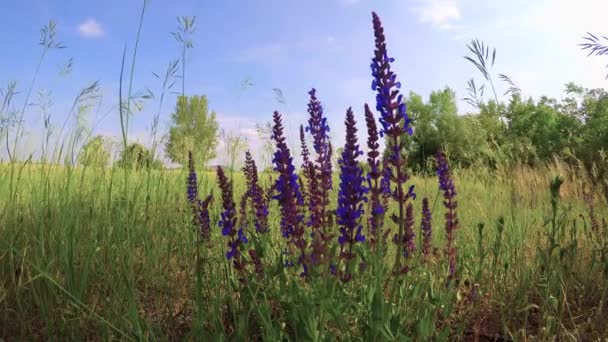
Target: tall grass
[{"x": 70, "y": 270}]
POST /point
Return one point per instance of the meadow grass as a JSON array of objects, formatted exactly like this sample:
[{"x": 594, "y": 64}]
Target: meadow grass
[{"x": 82, "y": 259}]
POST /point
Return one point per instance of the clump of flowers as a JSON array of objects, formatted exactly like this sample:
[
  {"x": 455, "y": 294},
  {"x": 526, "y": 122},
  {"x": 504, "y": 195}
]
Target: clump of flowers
[
  {"x": 350, "y": 197},
  {"x": 446, "y": 184},
  {"x": 304, "y": 204}
]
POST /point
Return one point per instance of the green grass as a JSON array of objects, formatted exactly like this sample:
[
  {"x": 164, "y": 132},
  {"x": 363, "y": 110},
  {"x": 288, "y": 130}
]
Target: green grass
[{"x": 82, "y": 259}]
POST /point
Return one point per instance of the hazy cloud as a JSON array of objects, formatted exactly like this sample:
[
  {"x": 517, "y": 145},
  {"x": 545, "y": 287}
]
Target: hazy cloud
[
  {"x": 276, "y": 52},
  {"x": 90, "y": 28},
  {"x": 441, "y": 14}
]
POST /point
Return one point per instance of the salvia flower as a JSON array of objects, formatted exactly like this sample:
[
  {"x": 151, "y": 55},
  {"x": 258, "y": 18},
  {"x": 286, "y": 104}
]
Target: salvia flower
[
  {"x": 319, "y": 129},
  {"x": 308, "y": 169},
  {"x": 394, "y": 119},
  {"x": 376, "y": 216},
  {"x": 192, "y": 180},
  {"x": 200, "y": 209},
  {"x": 426, "y": 229},
  {"x": 256, "y": 194},
  {"x": 288, "y": 191},
  {"x": 351, "y": 196},
  {"x": 446, "y": 184},
  {"x": 204, "y": 219},
  {"x": 228, "y": 222},
  {"x": 395, "y": 123}
]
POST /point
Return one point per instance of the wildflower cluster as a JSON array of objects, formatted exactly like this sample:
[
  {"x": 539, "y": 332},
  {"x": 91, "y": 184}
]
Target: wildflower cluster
[{"x": 310, "y": 237}]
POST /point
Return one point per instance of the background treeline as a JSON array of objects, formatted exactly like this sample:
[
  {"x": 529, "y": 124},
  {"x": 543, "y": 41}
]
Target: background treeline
[{"x": 522, "y": 130}]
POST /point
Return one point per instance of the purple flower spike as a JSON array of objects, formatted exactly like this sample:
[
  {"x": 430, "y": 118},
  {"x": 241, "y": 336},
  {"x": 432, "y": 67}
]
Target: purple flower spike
[
  {"x": 377, "y": 209},
  {"x": 395, "y": 125},
  {"x": 426, "y": 228},
  {"x": 192, "y": 180},
  {"x": 228, "y": 222},
  {"x": 350, "y": 197},
  {"x": 256, "y": 194},
  {"x": 394, "y": 119},
  {"x": 318, "y": 128},
  {"x": 289, "y": 196},
  {"x": 200, "y": 209},
  {"x": 311, "y": 181},
  {"x": 446, "y": 184},
  {"x": 203, "y": 216}
]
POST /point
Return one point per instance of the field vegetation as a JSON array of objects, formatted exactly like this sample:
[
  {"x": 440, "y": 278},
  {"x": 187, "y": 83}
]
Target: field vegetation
[{"x": 428, "y": 225}]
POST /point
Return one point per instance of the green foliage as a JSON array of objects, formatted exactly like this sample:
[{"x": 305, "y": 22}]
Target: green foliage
[
  {"x": 574, "y": 129},
  {"x": 94, "y": 153},
  {"x": 193, "y": 128},
  {"x": 138, "y": 157},
  {"x": 467, "y": 139}
]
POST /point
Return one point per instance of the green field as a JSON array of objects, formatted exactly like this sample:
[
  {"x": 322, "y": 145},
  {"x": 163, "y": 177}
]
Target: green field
[{"x": 80, "y": 258}]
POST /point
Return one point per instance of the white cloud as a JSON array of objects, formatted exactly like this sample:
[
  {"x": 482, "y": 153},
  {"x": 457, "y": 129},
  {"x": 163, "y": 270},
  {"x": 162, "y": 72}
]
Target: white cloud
[
  {"x": 440, "y": 14},
  {"x": 90, "y": 28}
]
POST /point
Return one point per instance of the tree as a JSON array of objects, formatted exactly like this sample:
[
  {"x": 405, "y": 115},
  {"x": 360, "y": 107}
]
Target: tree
[
  {"x": 138, "y": 157},
  {"x": 94, "y": 153},
  {"x": 235, "y": 145},
  {"x": 194, "y": 129}
]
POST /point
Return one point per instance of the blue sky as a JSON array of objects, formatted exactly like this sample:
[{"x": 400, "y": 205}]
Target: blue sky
[{"x": 292, "y": 45}]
